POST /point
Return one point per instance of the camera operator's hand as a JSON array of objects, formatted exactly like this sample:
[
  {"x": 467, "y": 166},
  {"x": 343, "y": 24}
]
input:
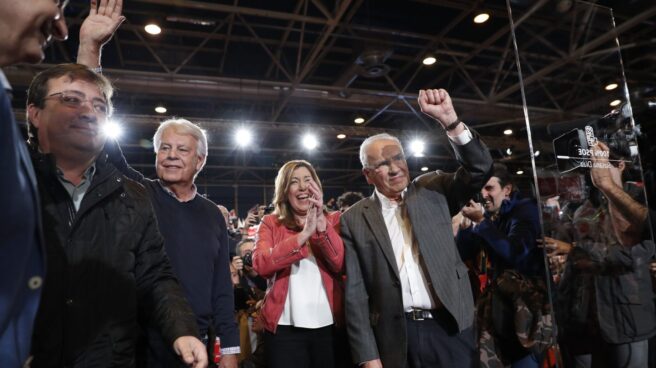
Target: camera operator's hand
[
  {"x": 473, "y": 211},
  {"x": 603, "y": 174},
  {"x": 237, "y": 263},
  {"x": 251, "y": 220}
]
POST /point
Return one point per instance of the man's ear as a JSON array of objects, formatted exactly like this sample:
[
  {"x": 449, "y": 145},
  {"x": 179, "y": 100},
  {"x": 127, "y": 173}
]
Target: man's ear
[
  {"x": 200, "y": 163},
  {"x": 34, "y": 115},
  {"x": 366, "y": 172},
  {"x": 621, "y": 166},
  {"x": 507, "y": 189}
]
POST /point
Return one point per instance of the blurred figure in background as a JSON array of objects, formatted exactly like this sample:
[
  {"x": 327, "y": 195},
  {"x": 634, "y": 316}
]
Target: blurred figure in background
[{"x": 348, "y": 199}]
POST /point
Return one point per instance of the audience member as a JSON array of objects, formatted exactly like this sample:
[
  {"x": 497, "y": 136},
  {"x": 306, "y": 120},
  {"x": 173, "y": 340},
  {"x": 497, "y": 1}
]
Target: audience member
[{"x": 348, "y": 199}]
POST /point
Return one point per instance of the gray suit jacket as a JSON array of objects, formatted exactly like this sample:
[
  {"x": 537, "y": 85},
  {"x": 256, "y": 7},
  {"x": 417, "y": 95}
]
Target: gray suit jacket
[{"x": 374, "y": 307}]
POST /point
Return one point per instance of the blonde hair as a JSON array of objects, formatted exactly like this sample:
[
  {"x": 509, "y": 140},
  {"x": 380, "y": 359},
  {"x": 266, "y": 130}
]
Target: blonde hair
[{"x": 283, "y": 209}]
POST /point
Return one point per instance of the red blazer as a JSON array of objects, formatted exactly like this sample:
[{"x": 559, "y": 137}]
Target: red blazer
[{"x": 276, "y": 249}]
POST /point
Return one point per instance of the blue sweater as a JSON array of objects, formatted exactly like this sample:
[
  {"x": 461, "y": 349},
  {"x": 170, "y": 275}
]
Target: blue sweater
[{"x": 510, "y": 240}]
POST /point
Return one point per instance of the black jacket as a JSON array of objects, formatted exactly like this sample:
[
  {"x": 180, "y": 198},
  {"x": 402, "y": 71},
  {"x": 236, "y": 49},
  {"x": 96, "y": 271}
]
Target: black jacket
[{"x": 106, "y": 269}]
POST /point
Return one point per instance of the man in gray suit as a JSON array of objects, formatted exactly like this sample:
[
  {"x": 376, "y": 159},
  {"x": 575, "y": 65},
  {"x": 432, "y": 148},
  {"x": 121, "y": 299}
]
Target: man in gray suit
[{"x": 408, "y": 297}]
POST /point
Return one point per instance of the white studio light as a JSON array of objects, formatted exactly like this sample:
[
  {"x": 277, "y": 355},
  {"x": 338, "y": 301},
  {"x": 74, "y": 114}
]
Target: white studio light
[
  {"x": 417, "y": 147},
  {"x": 153, "y": 29},
  {"x": 243, "y": 137},
  {"x": 611, "y": 86},
  {"x": 615, "y": 103},
  {"x": 160, "y": 109},
  {"x": 508, "y": 132},
  {"x": 424, "y": 168},
  {"x": 509, "y": 151},
  {"x": 481, "y": 18},
  {"x": 429, "y": 60},
  {"x": 112, "y": 129},
  {"x": 537, "y": 153},
  {"x": 310, "y": 141},
  {"x": 520, "y": 172}
]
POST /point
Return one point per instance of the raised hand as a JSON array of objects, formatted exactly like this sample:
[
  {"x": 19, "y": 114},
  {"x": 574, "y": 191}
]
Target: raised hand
[
  {"x": 473, "y": 211},
  {"x": 316, "y": 198},
  {"x": 436, "y": 103},
  {"x": 97, "y": 29}
]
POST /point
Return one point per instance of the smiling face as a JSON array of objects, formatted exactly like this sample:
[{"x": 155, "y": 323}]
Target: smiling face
[
  {"x": 386, "y": 168},
  {"x": 65, "y": 129},
  {"x": 178, "y": 160},
  {"x": 298, "y": 191},
  {"x": 26, "y": 27},
  {"x": 494, "y": 194}
]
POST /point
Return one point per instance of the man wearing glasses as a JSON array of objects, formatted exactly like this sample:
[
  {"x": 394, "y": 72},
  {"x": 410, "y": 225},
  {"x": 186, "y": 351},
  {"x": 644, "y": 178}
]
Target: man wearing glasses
[
  {"x": 26, "y": 27},
  {"x": 106, "y": 261},
  {"x": 405, "y": 283}
]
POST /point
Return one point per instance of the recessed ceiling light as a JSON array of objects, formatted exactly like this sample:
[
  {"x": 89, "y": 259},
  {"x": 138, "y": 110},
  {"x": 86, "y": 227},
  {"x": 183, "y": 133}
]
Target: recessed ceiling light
[
  {"x": 481, "y": 18},
  {"x": 153, "y": 29},
  {"x": 610, "y": 86},
  {"x": 508, "y": 132},
  {"x": 160, "y": 109},
  {"x": 358, "y": 120},
  {"x": 509, "y": 151},
  {"x": 429, "y": 60},
  {"x": 615, "y": 102},
  {"x": 341, "y": 136},
  {"x": 425, "y": 168},
  {"x": 520, "y": 172},
  {"x": 537, "y": 153}
]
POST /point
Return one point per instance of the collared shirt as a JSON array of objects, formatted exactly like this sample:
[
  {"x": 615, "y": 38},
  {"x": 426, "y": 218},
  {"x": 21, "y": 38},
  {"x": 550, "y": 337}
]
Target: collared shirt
[
  {"x": 77, "y": 192},
  {"x": 172, "y": 194},
  {"x": 414, "y": 284}
]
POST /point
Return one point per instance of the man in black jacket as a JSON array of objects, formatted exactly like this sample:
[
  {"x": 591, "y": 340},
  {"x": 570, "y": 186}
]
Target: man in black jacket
[{"x": 106, "y": 262}]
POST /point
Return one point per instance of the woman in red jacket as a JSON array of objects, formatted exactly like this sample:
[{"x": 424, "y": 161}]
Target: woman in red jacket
[{"x": 299, "y": 250}]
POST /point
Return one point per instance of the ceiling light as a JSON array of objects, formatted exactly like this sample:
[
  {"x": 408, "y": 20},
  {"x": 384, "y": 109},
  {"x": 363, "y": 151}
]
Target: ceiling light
[
  {"x": 509, "y": 151},
  {"x": 243, "y": 137},
  {"x": 536, "y": 154},
  {"x": 417, "y": 148},
  {"x": 425, "y": 168},
  {"x": 520, "y": 172},
  {"x": 310, "y": 141},
  {"x": 359, "y": 120},
  {"x": 153, "y": 29},
  {"x": 610, "y": 86},
  {"x": 341, "y": 136},
  {"x": 508, "y": 132},
  {"x": 160, "y": 109},
  {"x": 615, "y": 102},
  {"x": 429, "y": 60},
  {"x": 112, "y": 129},
  {"x": 481, "y": 18}
]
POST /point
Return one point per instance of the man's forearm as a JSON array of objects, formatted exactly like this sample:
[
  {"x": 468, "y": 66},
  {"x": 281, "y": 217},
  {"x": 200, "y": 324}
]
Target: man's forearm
[{"x": 89, "y": 55}]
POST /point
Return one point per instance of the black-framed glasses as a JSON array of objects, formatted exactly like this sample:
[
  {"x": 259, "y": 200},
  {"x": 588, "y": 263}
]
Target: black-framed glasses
[
  {"x": 76, "y": 99},
  {"x": 397, "y": 159}
]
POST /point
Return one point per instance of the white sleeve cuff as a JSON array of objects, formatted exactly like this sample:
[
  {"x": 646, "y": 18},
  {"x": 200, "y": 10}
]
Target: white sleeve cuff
[
  {"x": 462, "y": 138},
  {"x": 230, "y": 350}
]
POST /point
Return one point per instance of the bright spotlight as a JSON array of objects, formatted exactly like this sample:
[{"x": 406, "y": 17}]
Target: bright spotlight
[
  {"x": 481, "y": 18},
  {"x": 615, "y": 102},
  {"x": 536, "y": 154},
  {"x": 508, "y": 132},
  {"x": 417, "y": 148},
  {"x": 429, "y": 60},
  {"x": 610, "y": 86},
  {"x": 112, "y": 129},
  {"x": 520, "y": 172},
  {"x": 425, "y": 168},
  {"x": 243, "y": 137},
  {"x": 160, "y": 109},
  {"x": 153, "y": 29},
  {"x": 310, "y": 141},
  {"x": 341, "y": 136},
  {"x": 358, "y": 120}
]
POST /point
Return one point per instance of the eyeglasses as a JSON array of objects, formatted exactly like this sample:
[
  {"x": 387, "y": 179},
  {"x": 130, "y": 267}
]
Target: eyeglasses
[
  {"x": 76, "y": 99},
  {"x": 386, "y": 163}
]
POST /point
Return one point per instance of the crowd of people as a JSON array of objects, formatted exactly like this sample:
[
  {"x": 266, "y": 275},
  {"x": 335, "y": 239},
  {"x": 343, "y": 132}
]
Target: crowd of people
[{"x": 102, "y": 266}]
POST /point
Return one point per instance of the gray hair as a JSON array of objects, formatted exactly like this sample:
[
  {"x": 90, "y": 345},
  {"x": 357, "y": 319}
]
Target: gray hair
[
  {"x": 183, "y": 126},
  {"x": 367, "y": 142}
]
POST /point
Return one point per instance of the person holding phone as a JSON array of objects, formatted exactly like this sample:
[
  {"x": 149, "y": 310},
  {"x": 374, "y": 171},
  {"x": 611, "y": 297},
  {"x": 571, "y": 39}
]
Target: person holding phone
[{"x": 299, "y": 250}]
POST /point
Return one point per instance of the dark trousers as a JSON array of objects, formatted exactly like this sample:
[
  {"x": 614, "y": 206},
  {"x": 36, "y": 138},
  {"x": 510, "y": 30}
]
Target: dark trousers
[
  {"x": 299, "y": 347},
  {"x": 436, "y": 343}
]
